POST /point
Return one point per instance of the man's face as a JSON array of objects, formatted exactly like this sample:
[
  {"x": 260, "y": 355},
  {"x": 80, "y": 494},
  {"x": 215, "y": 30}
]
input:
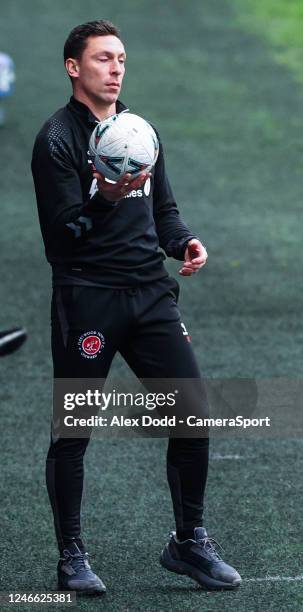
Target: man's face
[{"x": 101, "y": 69}]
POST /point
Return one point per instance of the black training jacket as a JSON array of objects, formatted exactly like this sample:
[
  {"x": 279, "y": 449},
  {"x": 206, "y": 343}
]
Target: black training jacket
[{"x": 89, "y": 240}]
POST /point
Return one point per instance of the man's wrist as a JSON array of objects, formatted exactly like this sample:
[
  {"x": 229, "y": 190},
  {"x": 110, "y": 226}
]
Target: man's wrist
[
  {"x": 199, "y": 239},
  {"x": 186, "y": 242}
]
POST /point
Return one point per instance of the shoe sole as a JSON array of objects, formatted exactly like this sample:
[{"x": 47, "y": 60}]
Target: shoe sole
[
  {"x": 11, "y": 342},
  {"x": 180, "y": 567},
  {"x": 92, "y": 592}
]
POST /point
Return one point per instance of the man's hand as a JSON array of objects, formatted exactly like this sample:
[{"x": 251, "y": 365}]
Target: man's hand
[
  {"x": 116, "y": 191},
  {"x": 195, "y": 258}
]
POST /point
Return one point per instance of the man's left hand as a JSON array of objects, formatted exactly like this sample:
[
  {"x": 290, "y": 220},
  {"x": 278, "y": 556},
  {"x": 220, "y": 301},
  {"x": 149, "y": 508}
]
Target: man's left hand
[{"x": 195, "y": 258}]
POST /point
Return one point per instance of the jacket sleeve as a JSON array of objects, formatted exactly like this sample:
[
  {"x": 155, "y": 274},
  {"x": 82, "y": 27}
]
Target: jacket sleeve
[
  {"x": 64, "y": 217},
  {"x": 172, "y": 232}
]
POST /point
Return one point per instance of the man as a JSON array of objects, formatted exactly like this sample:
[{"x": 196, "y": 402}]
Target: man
[{"x": 108, "y": 276}]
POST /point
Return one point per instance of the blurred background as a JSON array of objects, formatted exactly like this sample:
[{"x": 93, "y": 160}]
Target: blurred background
[{"x": 222, "y": 80}]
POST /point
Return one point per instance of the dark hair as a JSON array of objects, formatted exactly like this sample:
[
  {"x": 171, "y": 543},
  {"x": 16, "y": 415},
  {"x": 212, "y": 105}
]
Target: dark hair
[{"x": 77, "y": 39}]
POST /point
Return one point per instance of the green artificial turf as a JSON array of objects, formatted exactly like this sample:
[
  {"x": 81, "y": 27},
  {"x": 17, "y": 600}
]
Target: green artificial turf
[{"x": 231, "y": 120}]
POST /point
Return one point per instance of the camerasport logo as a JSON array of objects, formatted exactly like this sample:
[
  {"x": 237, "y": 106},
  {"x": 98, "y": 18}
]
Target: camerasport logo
[{"x": 91, "y": 344}]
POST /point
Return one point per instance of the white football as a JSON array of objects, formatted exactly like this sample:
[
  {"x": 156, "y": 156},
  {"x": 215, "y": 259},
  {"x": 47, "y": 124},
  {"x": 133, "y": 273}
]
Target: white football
[{"x": 123, "y": 143}]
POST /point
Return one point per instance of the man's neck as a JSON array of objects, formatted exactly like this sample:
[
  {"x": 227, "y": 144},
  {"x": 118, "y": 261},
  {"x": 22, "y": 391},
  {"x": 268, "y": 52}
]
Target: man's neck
[{"x": 101, "y": 111}]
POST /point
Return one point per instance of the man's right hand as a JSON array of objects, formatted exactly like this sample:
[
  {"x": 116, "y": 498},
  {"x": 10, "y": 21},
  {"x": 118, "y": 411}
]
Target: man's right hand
[{"x": 116, "y": 191}]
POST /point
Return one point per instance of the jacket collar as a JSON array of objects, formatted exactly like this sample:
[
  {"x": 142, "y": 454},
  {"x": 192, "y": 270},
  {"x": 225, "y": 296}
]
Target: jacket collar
[{"x": 76, "y": 106}]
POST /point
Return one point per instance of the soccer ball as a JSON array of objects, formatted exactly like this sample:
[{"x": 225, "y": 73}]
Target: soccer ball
[{"x": 123, "y": 143}]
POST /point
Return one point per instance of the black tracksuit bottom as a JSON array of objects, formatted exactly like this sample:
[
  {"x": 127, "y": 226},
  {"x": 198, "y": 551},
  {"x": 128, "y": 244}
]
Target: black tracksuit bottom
[{"x": 144, "y": 325}]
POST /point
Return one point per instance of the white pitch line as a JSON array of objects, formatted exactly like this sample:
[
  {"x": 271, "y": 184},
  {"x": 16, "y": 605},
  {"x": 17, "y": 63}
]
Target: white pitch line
[
  {"x": 275, "y": 579},
  {"x": 218, "y": 456}
]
